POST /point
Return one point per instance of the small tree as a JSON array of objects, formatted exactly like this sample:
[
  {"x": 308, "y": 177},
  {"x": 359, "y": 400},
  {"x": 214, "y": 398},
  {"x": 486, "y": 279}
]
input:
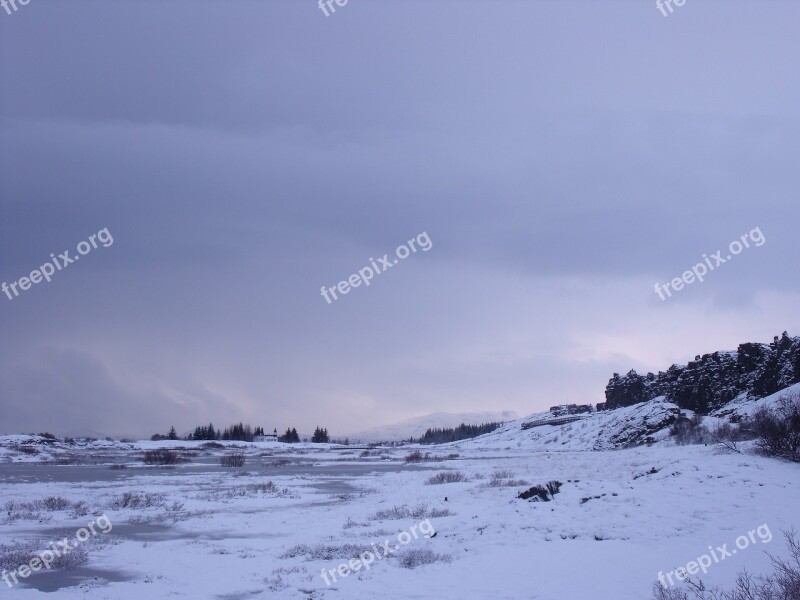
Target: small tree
[
  {"x": 320, "y": 436},
  {"x": 172, "y": 435}
]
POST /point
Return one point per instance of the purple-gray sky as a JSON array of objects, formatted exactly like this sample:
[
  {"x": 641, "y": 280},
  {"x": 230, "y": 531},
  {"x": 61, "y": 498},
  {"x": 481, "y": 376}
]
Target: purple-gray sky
[{"x": 562, "y": 156}]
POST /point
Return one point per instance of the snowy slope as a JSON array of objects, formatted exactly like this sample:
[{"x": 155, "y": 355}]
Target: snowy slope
[
  {"x": 605, "y": 430},
  {"x": 416, "y": 426},
  {"x": 612, "y": 429},
  {"x": 744, "y": 406}
]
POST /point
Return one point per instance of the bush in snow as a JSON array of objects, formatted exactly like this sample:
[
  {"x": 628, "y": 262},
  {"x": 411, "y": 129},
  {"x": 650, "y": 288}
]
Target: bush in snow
[
  {"x": 777, "y": 430},
  {"x": 415, "y": 557},
  {"x": 421, "y": 511},
  {"x": 135, "y": 500},
  {"x": 234, "y": 459},
  {"x": 30, "y": 511},
  {"x": 689, "y": 431},
  {"x": 505, "y": 479},
  {"x": 414, "y": 457},
  {"x": 324, "y": 551},
  {"x": 56, "y": 503},
  {"x": 447, "y": 477},
  {"x": 160, "y": 457},
  {"x": 727, "y": 437},
  {"x": 12, "y": 556}
]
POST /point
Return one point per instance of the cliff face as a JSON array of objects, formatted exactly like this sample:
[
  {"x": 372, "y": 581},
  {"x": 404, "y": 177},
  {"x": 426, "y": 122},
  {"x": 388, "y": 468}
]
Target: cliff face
[{"x": 711, "y": 380}]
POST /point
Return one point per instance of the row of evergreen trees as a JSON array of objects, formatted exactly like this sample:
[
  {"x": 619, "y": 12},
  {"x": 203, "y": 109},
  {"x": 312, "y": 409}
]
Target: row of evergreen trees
[
  {"x": 291, "y": 436},
  {"x": 241, "y": 433},
  {"x": 462, "y": 432},
  {"x": 238, "y": 432}
]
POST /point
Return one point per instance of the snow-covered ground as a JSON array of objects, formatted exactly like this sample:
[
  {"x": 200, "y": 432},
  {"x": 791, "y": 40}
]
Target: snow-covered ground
[{"x": 267, "y": 530}]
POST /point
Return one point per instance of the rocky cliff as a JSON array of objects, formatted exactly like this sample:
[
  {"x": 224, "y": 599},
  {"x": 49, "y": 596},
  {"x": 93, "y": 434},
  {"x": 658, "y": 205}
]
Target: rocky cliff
[{"x": 712, "y": 380}]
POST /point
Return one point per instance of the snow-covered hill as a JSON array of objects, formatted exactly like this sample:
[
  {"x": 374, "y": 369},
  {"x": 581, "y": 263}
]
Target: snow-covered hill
[
  {"x": 605, "y": 430},
  {"x": 416, "y": 426},
  {"x": 743, "y": 407},
  {"x": 646, "y": 422}
]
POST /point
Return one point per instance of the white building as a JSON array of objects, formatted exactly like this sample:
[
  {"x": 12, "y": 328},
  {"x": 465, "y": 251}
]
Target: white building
[{"x": 270, "y": 437}]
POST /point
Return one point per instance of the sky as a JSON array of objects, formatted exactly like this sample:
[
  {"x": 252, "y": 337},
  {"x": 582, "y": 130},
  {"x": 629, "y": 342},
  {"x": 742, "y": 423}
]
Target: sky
[{"x": 562, "y": 157}]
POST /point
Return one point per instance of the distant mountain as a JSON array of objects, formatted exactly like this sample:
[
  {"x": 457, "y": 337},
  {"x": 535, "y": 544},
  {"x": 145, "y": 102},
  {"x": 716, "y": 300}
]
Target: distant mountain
[
  {"x": 416, "y": 426},
  {"x": 712, "y": 380}
]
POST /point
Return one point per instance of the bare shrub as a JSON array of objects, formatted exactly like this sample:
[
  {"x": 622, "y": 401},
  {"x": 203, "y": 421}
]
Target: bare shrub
[
  {"x": 504, "y": 478},
  {"x": 447, "y": 477},
  {"x": 276, "y": 583},
  {"x": 414, "y": 457},
  {"x": 248, "y": 491},
  {"x": 415, "y": 557},
  {"x": 12, "y": 556},
  {"x": 79, "y": 509},
  {"x": 728, "y": 436},
  {"x": 31, "y": 510},
  {"x": 27, "y": 511},
  {"x": 782, "y": 584},
  {"x": 777, "y": 430},
  {"x": 251, "y": 489},
  {"x": 503, "y": 474},
  {"x": 265, "y": 487},
  {"x": 350, "y": 523},
  {"x": 689, "y": 431},
  {"x": 324, "y": 551},
  {"x": 233, "y": 459},
  {"x": 160, "y": 457},
  {"x": 56, "y": 503},
  {"x": 136, "y": 500},
  {"x": 421, "y": 511}
]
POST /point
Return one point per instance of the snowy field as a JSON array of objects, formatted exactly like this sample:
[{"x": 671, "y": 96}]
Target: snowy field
[{"x": 268, "y": 529}]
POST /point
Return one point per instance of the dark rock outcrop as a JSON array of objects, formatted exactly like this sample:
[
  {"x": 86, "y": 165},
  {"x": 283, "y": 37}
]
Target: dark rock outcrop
[{"x": 712, "y": 380}]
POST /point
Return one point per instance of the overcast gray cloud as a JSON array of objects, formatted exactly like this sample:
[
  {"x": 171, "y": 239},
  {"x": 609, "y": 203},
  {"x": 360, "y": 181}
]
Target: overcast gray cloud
[{"x": 562, "y": 156}]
